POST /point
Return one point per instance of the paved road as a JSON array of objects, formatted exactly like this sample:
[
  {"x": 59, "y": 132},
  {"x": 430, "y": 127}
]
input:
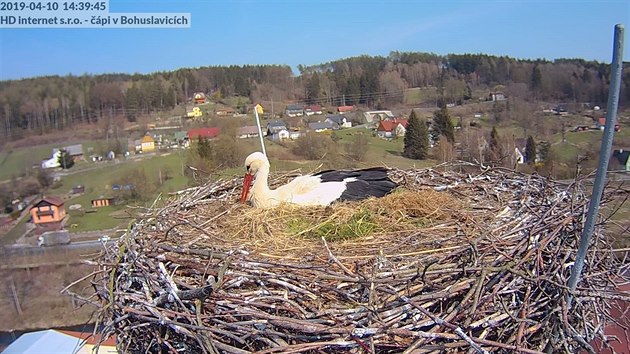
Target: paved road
[{"x": 24, "y": 256}]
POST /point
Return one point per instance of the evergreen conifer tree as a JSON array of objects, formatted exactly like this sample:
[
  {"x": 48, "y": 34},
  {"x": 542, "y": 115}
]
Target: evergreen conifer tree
[
  {"x": 416, "y": 143},
  {"x": 66, "y": 160},
  {"x": 442, "y": 124},
  {"x": 530, "y": 150}
]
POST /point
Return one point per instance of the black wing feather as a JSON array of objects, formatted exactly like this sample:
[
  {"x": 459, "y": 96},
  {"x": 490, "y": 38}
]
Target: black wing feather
[
  {"x": 369, "y": 182},
  {"x": 368, "y": 174}
]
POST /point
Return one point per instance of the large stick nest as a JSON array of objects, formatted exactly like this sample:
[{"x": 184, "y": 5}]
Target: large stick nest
[{"x": 450, "y": 262}]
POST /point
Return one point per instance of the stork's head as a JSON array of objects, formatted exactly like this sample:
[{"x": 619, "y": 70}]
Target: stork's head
[{"x": 253, "y": 163}]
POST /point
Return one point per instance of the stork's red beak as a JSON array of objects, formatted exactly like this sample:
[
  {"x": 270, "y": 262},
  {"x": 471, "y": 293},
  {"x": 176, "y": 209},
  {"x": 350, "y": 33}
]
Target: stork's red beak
[{"x": 247, "y": 184}]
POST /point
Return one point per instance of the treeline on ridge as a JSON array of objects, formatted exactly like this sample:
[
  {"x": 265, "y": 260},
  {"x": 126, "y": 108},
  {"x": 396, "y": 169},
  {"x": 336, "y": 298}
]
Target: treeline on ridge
[{"x": 44, "y": 104}]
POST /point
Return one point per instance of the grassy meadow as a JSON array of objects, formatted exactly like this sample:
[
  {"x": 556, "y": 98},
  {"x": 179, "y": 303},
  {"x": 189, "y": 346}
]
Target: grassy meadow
[{"x": 18, "y": 162}]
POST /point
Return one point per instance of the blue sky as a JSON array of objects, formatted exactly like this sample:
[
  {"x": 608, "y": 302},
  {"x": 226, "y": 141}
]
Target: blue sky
[{"x": 292, "y": 32}]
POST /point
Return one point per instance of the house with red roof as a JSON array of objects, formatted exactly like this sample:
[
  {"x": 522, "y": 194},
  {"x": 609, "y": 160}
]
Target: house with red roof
[
  {"x": 392, "y": 128},
  {"x": 345, "y": 109},
  {"x": 313, "y": 109},
  {"x": 208, "y": 133}
]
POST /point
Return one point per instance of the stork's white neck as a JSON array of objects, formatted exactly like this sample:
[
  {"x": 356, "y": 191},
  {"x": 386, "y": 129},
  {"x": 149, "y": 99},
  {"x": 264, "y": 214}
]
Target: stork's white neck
[{"x": 262, "y": 196}]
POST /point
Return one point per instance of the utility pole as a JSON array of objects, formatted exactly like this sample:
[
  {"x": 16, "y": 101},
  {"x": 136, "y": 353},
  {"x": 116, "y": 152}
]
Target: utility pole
[
  {"x": 16, "y": 299},
  {"x": 604, "y": 154}
]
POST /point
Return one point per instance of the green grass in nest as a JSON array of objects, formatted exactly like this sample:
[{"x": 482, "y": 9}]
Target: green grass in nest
[{"x": 360, "y": 224}]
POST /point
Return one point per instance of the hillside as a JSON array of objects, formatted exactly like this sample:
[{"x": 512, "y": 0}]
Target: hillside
[{"x": 42, "y": 105}]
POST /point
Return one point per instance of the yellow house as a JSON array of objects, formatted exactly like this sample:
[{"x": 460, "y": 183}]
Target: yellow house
[
  {"x": 195, "y": 113},
  {"x": 259, "y": 108},
  {"x": 148, "y": 144}
]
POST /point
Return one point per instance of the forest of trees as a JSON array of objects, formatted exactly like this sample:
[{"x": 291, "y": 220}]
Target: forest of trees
[{"x": 44, "y": 104}]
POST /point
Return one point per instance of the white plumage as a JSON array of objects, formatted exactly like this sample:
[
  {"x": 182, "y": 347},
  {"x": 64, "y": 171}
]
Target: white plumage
[{"x": 319, "y": 189}]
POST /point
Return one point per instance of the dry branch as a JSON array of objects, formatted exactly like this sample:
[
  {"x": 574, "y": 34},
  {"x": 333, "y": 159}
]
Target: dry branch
[{"x": 455, "y": 261}]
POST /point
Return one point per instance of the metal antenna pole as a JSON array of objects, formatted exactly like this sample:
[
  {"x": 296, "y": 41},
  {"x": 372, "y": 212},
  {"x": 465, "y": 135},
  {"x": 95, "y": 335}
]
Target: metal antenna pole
[
  {"x": 262, "y": 142},
  {"x": 604, "y": 155}
]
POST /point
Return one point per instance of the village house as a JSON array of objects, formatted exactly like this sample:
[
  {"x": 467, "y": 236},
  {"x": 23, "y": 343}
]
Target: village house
[
  {"x": 313, "y": 109},
  {"x": 340, "y": 120},
  {"x": 259, "y": 109},
  {"x": 53, "y": 161},
  {"x": 377, "y": 116},
  {"x": 518, "y": 156},
  {"x": 76, "y": 151},
  {"x": 497, "y": 96},
  {"x": 195, "y": 112},
  {"x": 294, "y": 110},
  {"x": 208, "y": 133},
  {"x": 147, "y": 144},
  {"x": 280, "y": 135},
  {"x": 520, "y": 145},
  {"x": 345, "y": 109},
  {"x": 199, "y": 97},
  {"x": 223, "y": 110},
  {"x": 319, "y": 127},
  {"x": 248, "y": 131},
  {"x": 275, "y": 126},
  {"x": 48, "y": 210},
  {"x": 392, "y": 128}
]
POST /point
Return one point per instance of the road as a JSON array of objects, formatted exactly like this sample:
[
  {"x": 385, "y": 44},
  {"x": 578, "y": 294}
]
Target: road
[{"x": 26, "y": 256}]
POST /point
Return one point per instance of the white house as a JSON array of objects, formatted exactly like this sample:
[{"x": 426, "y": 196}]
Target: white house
[
  {"x": 281, "y": 135},
  {"x": 520, "y": 159},
  {"x": 53, "y": 161},
  {"x": 375, "y": 116}
]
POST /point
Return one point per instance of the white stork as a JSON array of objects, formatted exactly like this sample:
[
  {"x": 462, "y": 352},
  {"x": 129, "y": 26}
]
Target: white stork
[{"x": 321, "y": 188}]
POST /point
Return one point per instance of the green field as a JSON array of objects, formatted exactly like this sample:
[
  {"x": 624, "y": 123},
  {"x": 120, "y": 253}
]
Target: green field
[
  {"x": 382, "y": 152},
  {"x": 18, "y": 162},
  {"x": 98, "y": 183},
  {"x": 419, "y": 95}
]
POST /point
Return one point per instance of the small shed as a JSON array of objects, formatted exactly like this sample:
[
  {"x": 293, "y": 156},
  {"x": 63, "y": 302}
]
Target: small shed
[
  {"x": 80, "y": 189},
  {"x": 102, "y": 202}
]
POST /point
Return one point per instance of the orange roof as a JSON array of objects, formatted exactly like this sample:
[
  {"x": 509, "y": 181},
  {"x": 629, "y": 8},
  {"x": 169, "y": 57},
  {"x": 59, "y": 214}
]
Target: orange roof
[
  {"x": 147, "y": 139},
  {"x": 390, "y": 125},
  {"x": 345, "y": 108}
]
